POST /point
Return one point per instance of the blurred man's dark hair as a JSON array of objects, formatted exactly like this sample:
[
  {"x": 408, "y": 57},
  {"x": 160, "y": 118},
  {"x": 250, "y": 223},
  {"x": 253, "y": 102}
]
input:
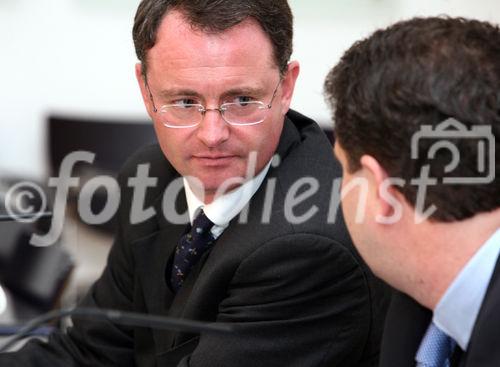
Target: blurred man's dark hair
[{"x": 421, "y": 72}]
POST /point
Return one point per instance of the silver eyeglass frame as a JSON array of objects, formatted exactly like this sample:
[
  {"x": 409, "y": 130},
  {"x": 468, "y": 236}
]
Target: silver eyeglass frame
[{"x": 221, "y": 109}]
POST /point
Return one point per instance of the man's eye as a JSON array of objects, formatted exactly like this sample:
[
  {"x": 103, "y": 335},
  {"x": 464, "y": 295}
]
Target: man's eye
[
  {"x": 243, "y": 100},
  {"x": 185, "y": 102}
]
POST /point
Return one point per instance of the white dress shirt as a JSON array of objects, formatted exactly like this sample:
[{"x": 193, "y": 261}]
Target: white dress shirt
[
  {"x": 224, "y": 207},
  {"x": 457, "y": 311}
]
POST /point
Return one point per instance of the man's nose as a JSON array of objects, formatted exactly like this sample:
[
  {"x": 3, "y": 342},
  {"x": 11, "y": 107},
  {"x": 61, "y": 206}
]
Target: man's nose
[{"x": 213, "y": 130}]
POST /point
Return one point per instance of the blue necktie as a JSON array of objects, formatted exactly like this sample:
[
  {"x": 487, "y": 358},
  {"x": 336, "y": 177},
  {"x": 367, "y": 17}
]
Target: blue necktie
[
  {"x": 435, "y": 349},
  {"x": 190, "y": 248}
]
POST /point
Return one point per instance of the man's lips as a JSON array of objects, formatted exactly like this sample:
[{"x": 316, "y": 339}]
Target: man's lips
[
  {"x": 214, "y": 159},
  {"x": 213, "y": 156}
]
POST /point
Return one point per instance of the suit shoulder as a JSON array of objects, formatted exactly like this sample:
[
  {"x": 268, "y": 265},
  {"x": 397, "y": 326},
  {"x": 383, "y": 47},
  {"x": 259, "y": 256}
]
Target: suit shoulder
[
  {"x": 149, "y": 154},
  {"x": 152, "y": 164},
  {"x": 310, "y": 154}
]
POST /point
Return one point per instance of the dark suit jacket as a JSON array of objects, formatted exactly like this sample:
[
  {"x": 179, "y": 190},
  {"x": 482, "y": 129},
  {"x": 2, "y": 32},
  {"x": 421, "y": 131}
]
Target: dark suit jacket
[
  {"x": 407, "y": 322},
  {"x": 297, "y": 293}
]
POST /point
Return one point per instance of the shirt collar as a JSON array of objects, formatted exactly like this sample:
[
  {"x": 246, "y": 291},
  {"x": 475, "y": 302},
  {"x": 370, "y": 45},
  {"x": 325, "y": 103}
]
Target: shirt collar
[
  {"x": 457, "y": 311},
  {"x": 225, "y": 207}
]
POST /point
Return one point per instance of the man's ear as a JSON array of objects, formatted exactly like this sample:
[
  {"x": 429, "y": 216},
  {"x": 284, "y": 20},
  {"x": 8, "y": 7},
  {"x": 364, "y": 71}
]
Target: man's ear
[
  {"x": 288, "y": 85},
  {"x": 389, "y": 200},
  {"x": 144, "y": 91}
]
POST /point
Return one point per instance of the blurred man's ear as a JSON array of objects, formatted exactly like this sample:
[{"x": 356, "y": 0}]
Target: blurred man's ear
[
  {"x": 389, "y": 200},
  {"x": 144, "y": 91},
  {"x": 288, "y": 85}
]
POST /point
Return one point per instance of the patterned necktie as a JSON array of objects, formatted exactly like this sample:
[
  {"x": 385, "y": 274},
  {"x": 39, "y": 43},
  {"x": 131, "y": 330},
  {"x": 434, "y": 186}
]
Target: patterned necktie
[
  {"x": 436, "y": 348},
  {"x": 190, "y": 248}
]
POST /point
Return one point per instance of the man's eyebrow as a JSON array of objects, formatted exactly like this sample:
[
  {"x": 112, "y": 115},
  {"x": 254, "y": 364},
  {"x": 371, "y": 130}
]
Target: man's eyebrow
[
  {"x": 245, "y": 91},
  {"x": 167, "y": 93}
]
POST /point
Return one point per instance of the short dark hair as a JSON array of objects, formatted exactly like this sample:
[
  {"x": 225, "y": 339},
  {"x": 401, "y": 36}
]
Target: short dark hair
[
  {"x": 414, "y": 73},
  {"x": 215, "y": 16}
]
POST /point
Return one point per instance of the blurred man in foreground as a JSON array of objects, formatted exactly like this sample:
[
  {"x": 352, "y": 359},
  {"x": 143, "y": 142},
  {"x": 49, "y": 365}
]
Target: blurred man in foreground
[
  {"x": 417, "y": 118},
  {"x": 245, "y": 173}
]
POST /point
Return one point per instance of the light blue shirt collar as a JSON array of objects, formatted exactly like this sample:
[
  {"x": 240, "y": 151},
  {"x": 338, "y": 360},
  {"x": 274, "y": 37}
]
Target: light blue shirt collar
[
  {"x": 225, "y": 207},
  {"x": 457, "y": 311}
]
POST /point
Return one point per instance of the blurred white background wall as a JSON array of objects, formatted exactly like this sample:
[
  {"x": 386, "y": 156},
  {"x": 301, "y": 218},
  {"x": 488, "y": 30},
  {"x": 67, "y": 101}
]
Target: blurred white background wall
[{"x": 77, "y": 57}]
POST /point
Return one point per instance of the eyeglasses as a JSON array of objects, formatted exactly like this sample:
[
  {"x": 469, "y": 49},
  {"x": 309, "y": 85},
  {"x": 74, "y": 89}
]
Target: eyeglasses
[{"x": 184, "y": 115}]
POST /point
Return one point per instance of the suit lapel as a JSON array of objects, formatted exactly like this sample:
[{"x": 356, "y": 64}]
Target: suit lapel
[
  {"x": 405, "y": 327},
  {"x": 483, "y": 347},
  {"x": 152, "y": 255},
  {"x": 290, "y": 135}
]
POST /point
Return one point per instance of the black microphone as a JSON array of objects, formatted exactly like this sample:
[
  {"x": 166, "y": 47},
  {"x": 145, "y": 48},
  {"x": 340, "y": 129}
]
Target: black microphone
[{"x": 121, "y": 318}]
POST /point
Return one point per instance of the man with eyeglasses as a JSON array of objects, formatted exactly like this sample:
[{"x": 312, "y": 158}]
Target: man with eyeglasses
[{"x": 256, "y": 180}]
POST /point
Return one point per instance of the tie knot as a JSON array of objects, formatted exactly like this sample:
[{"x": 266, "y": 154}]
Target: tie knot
[
  {"x": 201, "y": 224},
  {"x": 435, "y": 349}
]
